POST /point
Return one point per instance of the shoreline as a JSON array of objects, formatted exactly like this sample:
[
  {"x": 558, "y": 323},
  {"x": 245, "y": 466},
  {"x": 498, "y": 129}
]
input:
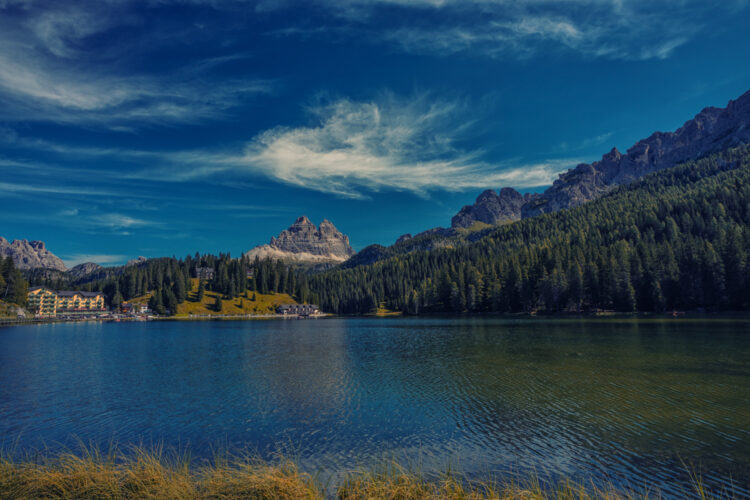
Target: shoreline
[
  {"x": 607, "y": 316},
  {"x": 136, "y": 319}
]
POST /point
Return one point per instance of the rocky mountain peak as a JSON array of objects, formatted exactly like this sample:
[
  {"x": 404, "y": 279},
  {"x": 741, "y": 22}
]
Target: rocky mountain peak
[
  {"x": 711, "y": 130},
  {"x": 84, "y": 269},
  {"x": 30, "y": 255},
  {"x": 327, "y": 227},
  {"x": 305, "y": 242},
  {"x": 403, "y": 237},
  {"x": 492, "y": 207},
  {"x": 302, "y": 221},
  {"x": 136, "y": 262}
]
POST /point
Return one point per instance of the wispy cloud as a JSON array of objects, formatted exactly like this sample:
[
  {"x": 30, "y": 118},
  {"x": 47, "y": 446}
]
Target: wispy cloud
[
  {"x": 49, "y": 72},
  {"x": 614, "y": 29},
  {"x": 355, "y": 147},
  {"x": 11, "y": 187},
  {"x": 348, "y": 148}
]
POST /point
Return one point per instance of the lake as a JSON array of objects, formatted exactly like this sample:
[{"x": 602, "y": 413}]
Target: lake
[{"x": 632, "y": 402}]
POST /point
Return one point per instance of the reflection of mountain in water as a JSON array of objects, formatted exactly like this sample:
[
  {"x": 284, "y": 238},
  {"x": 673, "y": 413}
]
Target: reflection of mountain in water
[{"x": 305, "y": 372}]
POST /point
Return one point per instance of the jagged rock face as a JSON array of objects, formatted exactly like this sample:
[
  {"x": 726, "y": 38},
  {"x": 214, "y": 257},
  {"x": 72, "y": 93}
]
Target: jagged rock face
[
  {"x": 84, "y": 269},
  {"x": 30, "y": 255},
  {"x": 712, "y": 130},
  {"x": 304, "y": 242},
  {"x": 137, "y": 262},
  {"x": 492, "y": 208}
]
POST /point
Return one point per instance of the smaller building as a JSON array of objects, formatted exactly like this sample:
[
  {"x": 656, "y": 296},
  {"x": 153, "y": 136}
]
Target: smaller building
[
  {"x": 136, "y": 308},
  {"x": 204, "y": 273},
  {"x": 298, "y": 309}
]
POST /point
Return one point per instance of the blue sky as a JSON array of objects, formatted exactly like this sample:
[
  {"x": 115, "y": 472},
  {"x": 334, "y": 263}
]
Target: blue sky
[{"x": 168, "y": 127}]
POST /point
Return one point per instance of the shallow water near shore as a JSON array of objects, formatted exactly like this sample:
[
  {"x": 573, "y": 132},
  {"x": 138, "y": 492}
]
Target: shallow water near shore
[{"x": 633, "y": 402}]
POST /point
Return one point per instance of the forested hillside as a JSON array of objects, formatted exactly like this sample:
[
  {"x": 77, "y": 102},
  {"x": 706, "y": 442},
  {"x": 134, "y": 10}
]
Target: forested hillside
[
  {"x": 170, "y": 280},
  {"x": 676, "y": 239}
]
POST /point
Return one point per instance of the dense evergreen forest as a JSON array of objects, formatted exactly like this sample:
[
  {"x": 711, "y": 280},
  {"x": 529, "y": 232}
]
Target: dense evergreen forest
[
  {"x": 675, "y": 240},
  {"x": 169, "y": 279}
]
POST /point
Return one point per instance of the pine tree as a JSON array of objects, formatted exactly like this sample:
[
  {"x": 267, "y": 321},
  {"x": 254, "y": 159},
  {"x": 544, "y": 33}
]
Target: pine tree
[
  {"x": 179, "y": 289},
  {"x": 117, "y": 300}
]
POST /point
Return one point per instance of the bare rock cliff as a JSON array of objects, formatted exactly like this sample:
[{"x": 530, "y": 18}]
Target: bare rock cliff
[
  {"x": 30, "y": 255},
  {"x": 710, "y": 131}
]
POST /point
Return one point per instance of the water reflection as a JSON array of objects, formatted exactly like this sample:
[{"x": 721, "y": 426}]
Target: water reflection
[{"x": 626, "y": 401}]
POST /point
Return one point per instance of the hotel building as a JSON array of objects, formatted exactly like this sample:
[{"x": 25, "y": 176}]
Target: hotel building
[{"x": 45, "y": 302}]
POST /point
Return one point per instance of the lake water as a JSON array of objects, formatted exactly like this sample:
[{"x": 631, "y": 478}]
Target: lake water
[{"x": 633, "y": 402}]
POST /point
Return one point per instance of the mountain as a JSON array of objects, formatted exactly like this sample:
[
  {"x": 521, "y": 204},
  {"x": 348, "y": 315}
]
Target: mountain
[
  {"x": 85, "y": 269},
  {"x": 137, "y": 262},
  {"x": 710, "y": 131},
  {"x": 492, "y": 208},
  {"x": 303, "y": 242},
  {"x": 30, "y": 254},
  {"x": 675, "y": 240}
]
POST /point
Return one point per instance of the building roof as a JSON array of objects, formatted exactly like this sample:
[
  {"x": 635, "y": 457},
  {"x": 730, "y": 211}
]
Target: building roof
[
  {"x": 67, "y": 293},
  {"x": 72, "y": 293},
  {"x": 288, "y": 307}
]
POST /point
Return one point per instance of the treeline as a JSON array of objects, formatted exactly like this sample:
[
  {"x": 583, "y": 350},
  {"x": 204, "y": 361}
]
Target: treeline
[
  {"x": 170, "y": 280},
  {"x": 13, "y": 286},
  {"x": 675, "y": 240}
]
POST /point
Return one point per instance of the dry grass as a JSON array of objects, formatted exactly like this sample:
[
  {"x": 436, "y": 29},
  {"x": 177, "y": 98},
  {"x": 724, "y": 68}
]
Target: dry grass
[
  {"x": 395, "y": 483},
  {"x": 7, "y": 310},
  {"x": 263, "y": 303},
  {"x": 142, "y": 474}
]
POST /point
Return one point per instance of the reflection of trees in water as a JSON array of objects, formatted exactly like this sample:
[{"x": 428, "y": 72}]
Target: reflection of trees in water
[{"x": 623, "y": 397}]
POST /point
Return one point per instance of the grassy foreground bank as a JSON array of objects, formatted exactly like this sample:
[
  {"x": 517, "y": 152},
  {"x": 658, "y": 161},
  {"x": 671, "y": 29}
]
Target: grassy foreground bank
[{"x": 143, "y": 474}]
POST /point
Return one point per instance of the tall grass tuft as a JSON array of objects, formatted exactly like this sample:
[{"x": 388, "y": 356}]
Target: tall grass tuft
[{"x": 141, "y": 473}]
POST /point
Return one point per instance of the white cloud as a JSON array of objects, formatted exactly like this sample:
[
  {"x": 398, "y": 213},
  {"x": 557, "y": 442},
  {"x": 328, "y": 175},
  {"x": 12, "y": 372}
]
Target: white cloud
[
  {"x": 120, "y": 221},
  {"x": 613, "y": 29},
  {"x": 349, "y": 148},
  {"x": 50, "y": 71},
  {"x": 393, "y": 143}
]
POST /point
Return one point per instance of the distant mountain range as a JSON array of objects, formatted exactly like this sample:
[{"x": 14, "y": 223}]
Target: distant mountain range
[
  {"x": 710, "y": 131},
  {"x": 30, "y": 254},
  {"x": 305, "y": 243}
]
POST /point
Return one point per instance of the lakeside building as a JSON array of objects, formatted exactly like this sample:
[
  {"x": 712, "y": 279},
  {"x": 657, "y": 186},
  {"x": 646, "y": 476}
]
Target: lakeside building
[
  {"x": 136, "y": 308},
  {"x": 298, "y": 309},
  {"x": 49, "y": 303},
  {"x": 41, "y": 301}
]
